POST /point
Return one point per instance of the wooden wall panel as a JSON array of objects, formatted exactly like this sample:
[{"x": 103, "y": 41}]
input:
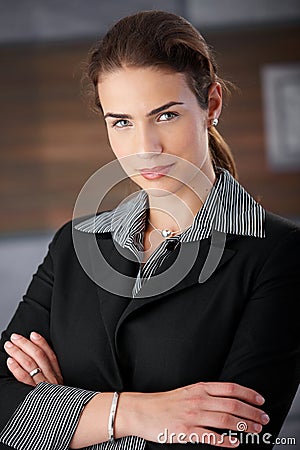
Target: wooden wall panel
[{"x": 51, "y": 143}]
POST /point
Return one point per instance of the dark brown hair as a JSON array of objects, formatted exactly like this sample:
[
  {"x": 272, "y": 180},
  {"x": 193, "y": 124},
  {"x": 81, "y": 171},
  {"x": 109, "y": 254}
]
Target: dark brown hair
[{"x": 163, "y": 40}]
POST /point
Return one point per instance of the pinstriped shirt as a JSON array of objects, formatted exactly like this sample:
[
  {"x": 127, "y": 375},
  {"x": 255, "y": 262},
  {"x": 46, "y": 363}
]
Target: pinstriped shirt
[{"x": 48, "y": 416}]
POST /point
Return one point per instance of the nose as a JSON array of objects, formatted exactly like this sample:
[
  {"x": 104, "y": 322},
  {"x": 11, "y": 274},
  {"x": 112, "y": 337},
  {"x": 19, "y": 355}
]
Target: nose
[{"x": 148, "y": 143}]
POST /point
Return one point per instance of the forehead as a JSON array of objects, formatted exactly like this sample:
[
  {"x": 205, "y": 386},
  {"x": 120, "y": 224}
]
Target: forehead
[{"x": 141, "y": 87}]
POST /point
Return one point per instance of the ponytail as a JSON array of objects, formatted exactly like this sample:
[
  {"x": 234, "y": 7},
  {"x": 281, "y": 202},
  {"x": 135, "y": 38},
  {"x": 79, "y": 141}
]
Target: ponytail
[{"x": 220, "y": 152}]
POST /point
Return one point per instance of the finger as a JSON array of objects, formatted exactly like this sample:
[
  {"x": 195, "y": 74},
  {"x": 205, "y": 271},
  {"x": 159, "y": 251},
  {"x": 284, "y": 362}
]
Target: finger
[
  {"x": 227, "y": 421},
  {"x": 233, "y": 390},
  {"x": 234, "y": 407},
  {"x": 19, "y": 373},
  {"x": 41, "y": 342},
  {"x": 38, "y": 377},
  {"x": 26, "y": 363},
  {"x": 29, "y": 357}
]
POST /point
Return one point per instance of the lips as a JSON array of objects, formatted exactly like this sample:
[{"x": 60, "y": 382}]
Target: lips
[{"x": 154, "y": 173}]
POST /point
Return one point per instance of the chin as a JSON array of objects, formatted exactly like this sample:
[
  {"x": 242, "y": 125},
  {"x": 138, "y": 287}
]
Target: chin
[{"x": 161, "y": 187}]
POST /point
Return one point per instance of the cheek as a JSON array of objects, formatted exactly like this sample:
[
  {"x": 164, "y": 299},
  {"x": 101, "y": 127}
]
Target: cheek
[
  {"x": 118, "y": 143},
  {"x": 123, "y": 149},
  {"x": 192, "y": 137}
]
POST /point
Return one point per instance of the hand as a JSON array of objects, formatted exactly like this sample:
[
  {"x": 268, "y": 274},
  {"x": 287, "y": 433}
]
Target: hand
[
  {"x": 27, "y": 355},
  {"x": 191, "y": 410}
]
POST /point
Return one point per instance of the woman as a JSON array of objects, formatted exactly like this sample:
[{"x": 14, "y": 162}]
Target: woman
[{"x": 190, "y": 357}]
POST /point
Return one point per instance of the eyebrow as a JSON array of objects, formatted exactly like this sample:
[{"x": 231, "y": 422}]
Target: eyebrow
[{"x": 151, "y": 113}]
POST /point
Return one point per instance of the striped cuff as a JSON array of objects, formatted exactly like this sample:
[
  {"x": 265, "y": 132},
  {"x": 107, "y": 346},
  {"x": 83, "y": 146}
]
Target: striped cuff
[
  {"x": 124, "y": 443},
  {"x": 47, "y": 418}
]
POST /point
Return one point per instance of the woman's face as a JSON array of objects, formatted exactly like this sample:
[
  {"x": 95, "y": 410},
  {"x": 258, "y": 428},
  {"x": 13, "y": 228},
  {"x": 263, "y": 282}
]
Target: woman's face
[{"x": 153, "y": 116}]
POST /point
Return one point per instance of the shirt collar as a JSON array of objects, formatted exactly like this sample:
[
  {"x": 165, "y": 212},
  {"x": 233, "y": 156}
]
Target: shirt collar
[{"x": 228, "y": 208}]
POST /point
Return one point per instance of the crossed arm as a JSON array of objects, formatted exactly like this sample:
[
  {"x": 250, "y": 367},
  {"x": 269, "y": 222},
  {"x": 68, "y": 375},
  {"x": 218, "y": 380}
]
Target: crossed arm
[{"x": 219, "y": 405}]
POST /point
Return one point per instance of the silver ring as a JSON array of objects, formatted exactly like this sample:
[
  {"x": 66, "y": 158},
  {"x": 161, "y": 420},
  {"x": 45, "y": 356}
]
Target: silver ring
[{"x": 34, "y": 372}]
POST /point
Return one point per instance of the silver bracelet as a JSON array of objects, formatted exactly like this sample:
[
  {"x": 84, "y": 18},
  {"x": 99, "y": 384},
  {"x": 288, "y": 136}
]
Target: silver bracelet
[{"x": 111, "y": 419}]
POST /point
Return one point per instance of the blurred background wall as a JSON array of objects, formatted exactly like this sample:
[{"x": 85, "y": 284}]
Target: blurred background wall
[{"x": 50, "y": 142}]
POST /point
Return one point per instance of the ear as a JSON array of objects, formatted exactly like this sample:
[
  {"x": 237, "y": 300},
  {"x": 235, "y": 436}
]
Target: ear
[{"x": 214, "y": 102}]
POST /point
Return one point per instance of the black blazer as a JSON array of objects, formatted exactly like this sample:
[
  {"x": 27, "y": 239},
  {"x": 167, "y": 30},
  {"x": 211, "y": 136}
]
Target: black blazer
[{"x": 241, "y": 325}]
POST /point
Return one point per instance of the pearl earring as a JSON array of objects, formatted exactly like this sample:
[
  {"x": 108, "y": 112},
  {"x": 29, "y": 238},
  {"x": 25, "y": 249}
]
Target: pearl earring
[{"x": 215, "y": 122}]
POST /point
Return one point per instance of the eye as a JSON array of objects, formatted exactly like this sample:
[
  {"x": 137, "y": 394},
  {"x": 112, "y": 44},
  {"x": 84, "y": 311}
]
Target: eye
[
  {"x": 166, "y": 116},
  {"x": 122, "y": 123}
]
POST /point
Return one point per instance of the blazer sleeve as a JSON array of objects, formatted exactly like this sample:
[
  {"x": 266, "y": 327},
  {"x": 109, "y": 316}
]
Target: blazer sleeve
[
  {"x": 44, "y": 416},
  {"x": 265, "y": 351}
]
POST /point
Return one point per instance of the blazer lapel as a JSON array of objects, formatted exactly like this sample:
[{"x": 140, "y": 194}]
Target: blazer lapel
[{"x": 112, "y": 305}]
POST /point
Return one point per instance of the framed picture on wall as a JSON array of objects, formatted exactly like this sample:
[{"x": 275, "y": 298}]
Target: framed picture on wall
[{"x": 281, "y": 95}]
